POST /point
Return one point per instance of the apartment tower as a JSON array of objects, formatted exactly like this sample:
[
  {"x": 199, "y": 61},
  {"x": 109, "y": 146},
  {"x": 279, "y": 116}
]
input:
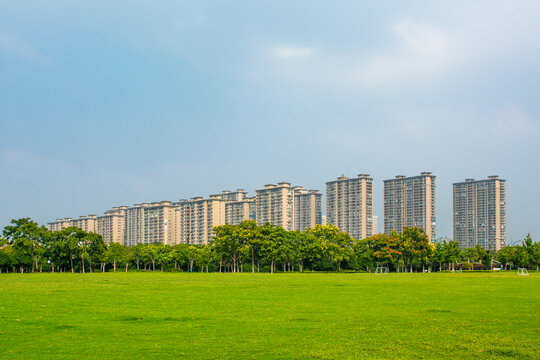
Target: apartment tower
[
  {"x": 85, "y": 223},
  {"x": 239, "y": 211},
  {"x": 349, "y": 205},
  {"x": 307, "y": 208},
  {"x": 410, "y": 201},
  {"x": 375, "y": 225},
  {"x": 151, "y": 223},
  {"x": 275, "y": 205},
  {"x": 480, "y": 213},
  {"x": 197, "y": 217},
  {"x": 112, "y": 225}
]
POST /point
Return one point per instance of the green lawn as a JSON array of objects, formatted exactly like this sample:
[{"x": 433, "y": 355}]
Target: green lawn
[{"x": 284, "y": 316}]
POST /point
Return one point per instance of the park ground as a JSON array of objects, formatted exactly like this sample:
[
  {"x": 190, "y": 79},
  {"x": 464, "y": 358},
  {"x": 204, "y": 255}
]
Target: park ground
[{"x": 270, "y": 316}]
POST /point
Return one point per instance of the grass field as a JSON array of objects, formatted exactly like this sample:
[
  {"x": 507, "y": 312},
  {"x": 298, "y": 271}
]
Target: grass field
[{"x": 264, "y": 316}]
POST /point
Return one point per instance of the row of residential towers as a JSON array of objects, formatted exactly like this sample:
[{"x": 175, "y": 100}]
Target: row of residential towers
[{"x": 479, "y": 212}]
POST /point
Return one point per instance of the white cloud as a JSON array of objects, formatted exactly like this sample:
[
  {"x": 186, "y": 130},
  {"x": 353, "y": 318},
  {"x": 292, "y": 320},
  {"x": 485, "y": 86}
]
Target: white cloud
[
  {"x": 290, "y": 52},
  {"x": 13, "y": 44}
]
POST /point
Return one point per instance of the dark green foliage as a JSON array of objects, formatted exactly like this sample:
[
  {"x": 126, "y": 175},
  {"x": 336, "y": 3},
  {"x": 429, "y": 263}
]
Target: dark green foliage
[{"x": 27, "y": 247}]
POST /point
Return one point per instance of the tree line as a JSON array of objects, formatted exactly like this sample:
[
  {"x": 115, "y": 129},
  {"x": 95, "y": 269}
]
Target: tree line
[{"x": 27, "y": 247}]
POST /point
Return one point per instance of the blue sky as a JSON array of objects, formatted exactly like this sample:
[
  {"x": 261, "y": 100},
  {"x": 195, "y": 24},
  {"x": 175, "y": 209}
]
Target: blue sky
[{"x": 114, "y": 103}]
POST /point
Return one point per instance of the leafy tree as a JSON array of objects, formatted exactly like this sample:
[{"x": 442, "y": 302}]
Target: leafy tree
[
  {"x": 114, "y": 254},
  {"x": 451, "y": 252},
  {"x": 163, "y": 255},
  {"x": 26, "y": 236},
  {"x": 273, "y": 237},
  {"x": 414, "y": 246},
  {"x": 6, "y": 256},
  {"x": 335, "y": 244},
  {"x": 192, "y": 253},
  {"x": 204, "y": 257},
  {"x": 363, "y": 253},
  {"x": 95, "y": 248},
  {"x": 507, "y": 256},
  {"x": 386, "y": 249},
  {"x": 179, "y": 255}
]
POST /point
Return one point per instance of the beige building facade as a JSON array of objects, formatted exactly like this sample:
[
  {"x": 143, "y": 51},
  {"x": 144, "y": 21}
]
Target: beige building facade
[
  {"x": 151, "y": 223},
  {"x": 239, "y": 211},
  {"x": 410, "y": 201},
  {"x": 307, "y": 208},
  {"x": 60, "y": 224},
  {"x": 85, "y": 223},
  {"x": 275, "y": 205},
  {"x": 480, "y": 213},
  {"x": 349, "y": 205},
  {"x": 112, "y": 225},
  {"x": 197, "y": 217}
]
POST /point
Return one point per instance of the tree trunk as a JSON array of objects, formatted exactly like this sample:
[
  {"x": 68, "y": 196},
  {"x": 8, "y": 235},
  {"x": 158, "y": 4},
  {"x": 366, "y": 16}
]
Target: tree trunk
[
  {"x": 126, "y": 266},
  {"x": 258, "y": 266},
  {"x": 71, "y": 260},
  {"x": 272, "y": 267},
  {"x": 252, "y": 260},
  {"x": 90, "y": 259},
  {"x": 114, "y": 265},
  {"x": 82, "y": 263}
]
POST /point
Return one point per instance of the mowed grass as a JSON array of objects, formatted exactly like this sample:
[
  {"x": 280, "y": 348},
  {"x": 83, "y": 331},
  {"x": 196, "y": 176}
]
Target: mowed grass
[{"x": 269, "y": 316}]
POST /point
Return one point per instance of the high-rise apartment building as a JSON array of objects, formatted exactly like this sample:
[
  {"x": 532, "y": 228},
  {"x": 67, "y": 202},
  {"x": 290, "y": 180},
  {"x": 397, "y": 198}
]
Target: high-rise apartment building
[
  {"x": 232, "y": 196},
  {"x": 375, "y": 225},
  {"x": 197, "y": 217},
  {"x": 480, "y": 213},
  {"x": 60, "y": 224},
  {"x": 349, "y": 205},
  {"x": 307, "y": 208},
  {"x": 275, "y": 205},
  {"x": 239, "y": 211},
  {"x": 410, "y": 201},
  {"x": 85, "y": 223},
  {"x": 112, "y": 225},
  {"x": 151, "y": 223}
]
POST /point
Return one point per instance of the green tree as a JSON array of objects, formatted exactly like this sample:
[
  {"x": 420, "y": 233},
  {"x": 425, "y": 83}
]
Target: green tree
[
  {"x": 451, "y": 252},
  {"x": 114, "y": 254},
  {"x": 252, "y": 238},
  {"x": 26, "y": 236},
  {"x": 96, "y": 248},
  {"x": 179, "y": 255},
  {"x": 192, "y": 253},
  {"x": 6, "y": 257},
  {"x": 273, "y": 237},
  {"x": 163, "y": 255},
  {"x": 414, "y": 246},
  {"x": 335, "y": 244},
  {"x": 204, "y": 257},
  {"x": 507, "y": 256}
]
